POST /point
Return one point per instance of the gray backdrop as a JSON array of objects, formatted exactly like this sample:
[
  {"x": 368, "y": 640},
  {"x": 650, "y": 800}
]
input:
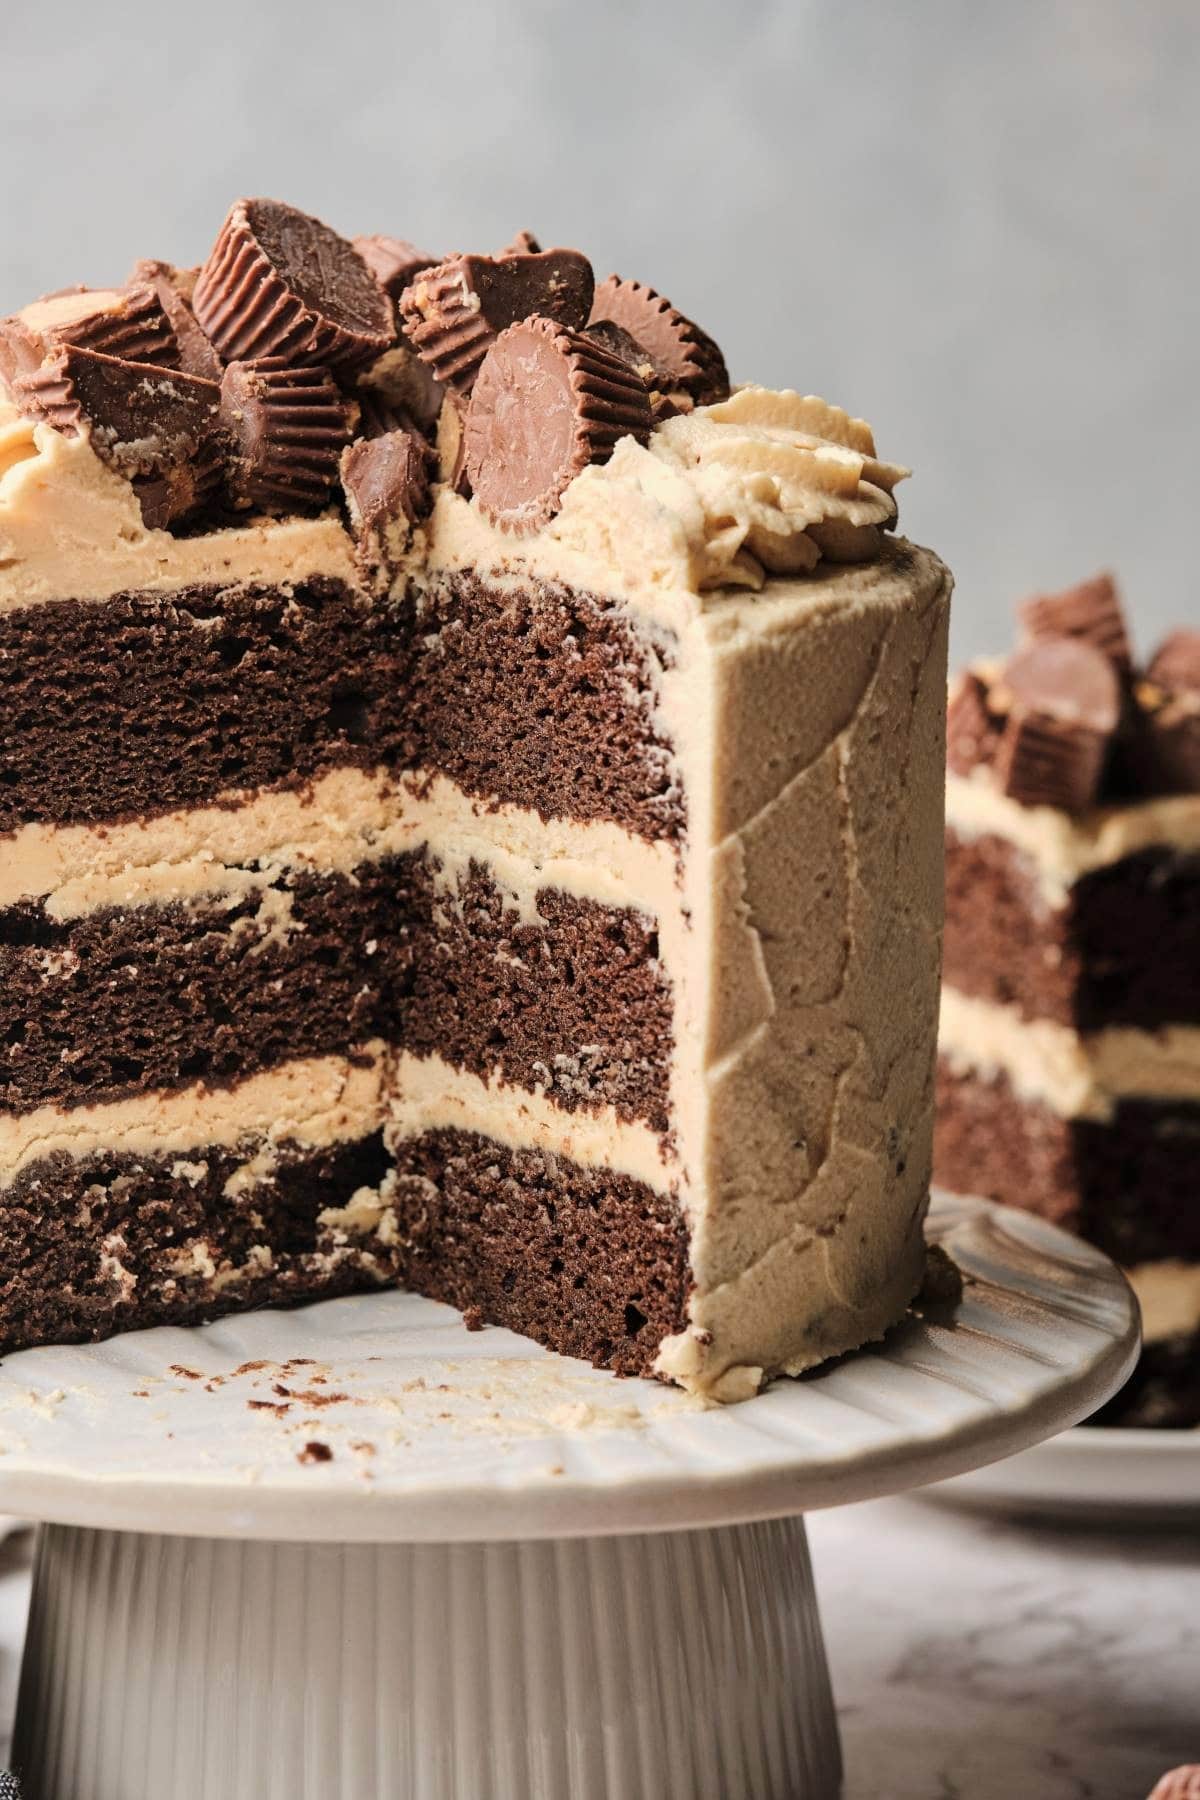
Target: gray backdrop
[{"x": 977, "y": 224}]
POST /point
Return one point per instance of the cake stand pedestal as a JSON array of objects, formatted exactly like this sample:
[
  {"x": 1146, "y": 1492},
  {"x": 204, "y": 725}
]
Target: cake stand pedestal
[{"x": 355, "y": 1552}]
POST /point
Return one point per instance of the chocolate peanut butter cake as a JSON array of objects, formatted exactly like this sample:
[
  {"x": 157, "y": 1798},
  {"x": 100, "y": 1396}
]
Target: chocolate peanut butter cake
[
  {"x": 1069, "y": 1072},
  {"x": 471, "y": 795}
]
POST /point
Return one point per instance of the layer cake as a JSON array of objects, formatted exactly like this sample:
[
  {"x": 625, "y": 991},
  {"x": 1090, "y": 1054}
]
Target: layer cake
[
  {"x": 1069, "y": 1068},
  {"x": 471, "y": 795}
]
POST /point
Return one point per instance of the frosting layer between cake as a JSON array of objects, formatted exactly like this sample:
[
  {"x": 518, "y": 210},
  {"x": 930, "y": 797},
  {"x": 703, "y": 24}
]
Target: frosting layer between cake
[{"x": 658, "y": 705}]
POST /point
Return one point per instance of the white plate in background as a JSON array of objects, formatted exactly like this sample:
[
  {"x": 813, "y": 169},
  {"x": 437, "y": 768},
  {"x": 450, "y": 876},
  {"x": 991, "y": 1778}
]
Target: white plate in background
[{"x": 1105, "y": 1474}]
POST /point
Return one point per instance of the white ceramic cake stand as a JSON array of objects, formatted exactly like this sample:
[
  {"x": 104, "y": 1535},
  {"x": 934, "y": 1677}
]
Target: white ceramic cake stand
[{"x": 432, "y": 1563}]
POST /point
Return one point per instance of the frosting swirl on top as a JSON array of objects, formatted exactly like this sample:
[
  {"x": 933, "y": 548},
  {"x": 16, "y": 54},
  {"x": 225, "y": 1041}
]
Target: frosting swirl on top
[{"x": 762, "y": 483}]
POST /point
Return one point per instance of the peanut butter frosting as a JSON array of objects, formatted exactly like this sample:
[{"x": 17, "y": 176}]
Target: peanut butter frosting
[
  {"x": 798, "y": 678},
  {"x": 762, "y": 483}
]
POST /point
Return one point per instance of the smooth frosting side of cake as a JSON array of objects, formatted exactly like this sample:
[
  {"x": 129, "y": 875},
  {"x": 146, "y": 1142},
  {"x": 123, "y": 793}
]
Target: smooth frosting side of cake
[{"x": 809, "y": 719}]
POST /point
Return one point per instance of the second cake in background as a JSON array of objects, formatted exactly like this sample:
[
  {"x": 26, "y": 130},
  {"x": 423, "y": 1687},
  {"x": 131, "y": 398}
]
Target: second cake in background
[{"x": 1069, "y": 1051}]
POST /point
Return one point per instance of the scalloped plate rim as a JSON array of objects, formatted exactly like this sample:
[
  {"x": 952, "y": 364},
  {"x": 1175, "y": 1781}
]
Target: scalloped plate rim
[{"x": 957, "y": 1403}]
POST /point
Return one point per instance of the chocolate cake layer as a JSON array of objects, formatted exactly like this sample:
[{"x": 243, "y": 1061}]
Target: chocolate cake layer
[
  {"x": 542, "y": 696},
  {"x": 1122, "y": 950},
  {"x": 105, "y": 1244},
  {"x": 1128, "y": 1186},
  {"x": 149, "y": 702},
  {"x": 145, "y": 703},
  {"x": 124, "y": 1000},
  {"x": 590, "y": 1262}
]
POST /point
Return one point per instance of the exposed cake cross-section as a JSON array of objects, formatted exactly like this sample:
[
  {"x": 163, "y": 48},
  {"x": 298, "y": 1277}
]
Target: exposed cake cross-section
[{"x": 471, "y": 796}]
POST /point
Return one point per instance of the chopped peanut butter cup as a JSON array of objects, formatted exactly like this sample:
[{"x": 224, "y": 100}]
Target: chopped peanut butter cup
[
  {"x": 182, "y": 492},
  {"x": 1050, "y": 762},
  {"x": 523, "y": 244},
  {"x": 126, "y": 322},
  {"x": 683, "y": 357},
  {"x": 393, "y": 261},
  {"x": 386, "y": 483},
  {"x": 1064, "y": 703},
  {"x": 452, "y": 314},
  {"x": 1066, "y": 678},
  {"x": 1166, "y": 749},
  {"x": 1175, "y": 665},
  {"x": 546, "y": 404},
  {"x": 157, "y": 427},
  {"x": 400, "y": 379},
  {"x": 451, "y": 444},
  {"x": 1091, "y": 611},
  {"x": 141, "y": 416},
  {"x": 174, "y": 287},
  {"x": 279, "y": 284},
  {"x": 288, "y": 428}
]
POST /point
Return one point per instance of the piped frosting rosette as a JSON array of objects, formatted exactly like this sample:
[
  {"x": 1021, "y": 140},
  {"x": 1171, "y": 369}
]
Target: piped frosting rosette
[{"x": 761, "y": 482}]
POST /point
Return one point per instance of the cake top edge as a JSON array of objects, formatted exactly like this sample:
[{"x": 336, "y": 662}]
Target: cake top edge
[
  {"x": 297, "y": 374},
  {"x": 1070, "y": 719}
]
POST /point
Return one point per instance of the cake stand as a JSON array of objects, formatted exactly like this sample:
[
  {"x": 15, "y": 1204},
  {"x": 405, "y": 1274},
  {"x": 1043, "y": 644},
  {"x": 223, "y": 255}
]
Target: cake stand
[{"x": 355, "y": 1552}]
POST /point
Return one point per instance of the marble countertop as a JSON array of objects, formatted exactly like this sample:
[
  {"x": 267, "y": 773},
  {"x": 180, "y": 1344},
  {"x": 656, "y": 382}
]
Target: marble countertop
[
  {"x": 976, "y": 1658},
  {"x": 973, "y": 1658}
]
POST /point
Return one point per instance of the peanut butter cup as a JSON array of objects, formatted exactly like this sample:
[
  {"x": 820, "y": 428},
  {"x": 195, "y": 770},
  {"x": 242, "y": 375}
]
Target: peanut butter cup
[
  {"x": 174, "y": 288},
  {"x": 1091, "y": 610},
  {"x": 279, "y": 283},
  {"x": 126, "y": 322},
  {"x": 683, "y": 356},
  {"x": 453, "y": 313},
  {"x": 288, "y": 427},
  {"x": 546, "y": 404}
]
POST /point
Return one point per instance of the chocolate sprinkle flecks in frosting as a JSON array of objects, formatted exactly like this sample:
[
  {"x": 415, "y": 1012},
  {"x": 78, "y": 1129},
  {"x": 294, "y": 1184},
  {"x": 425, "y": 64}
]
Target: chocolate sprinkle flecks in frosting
[
  {"x": 280, "y": 284},
  {"x": 174, "y": 287},
  {"x": 288, "y": 428},
  {"x": 547, "y": 403},
  {"x": 386, "y": 481},
  {"x": 1091, "y": 611},
  {"x": 393, "y": 261},
  {"x": 684, "y": 358},
  {"x": 128, "y": 323},
  {"x": 451, "y": 315}
]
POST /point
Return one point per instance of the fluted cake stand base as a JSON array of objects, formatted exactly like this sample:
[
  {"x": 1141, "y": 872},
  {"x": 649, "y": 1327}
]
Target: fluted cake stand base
[{"x": 355, "y": 1552}]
